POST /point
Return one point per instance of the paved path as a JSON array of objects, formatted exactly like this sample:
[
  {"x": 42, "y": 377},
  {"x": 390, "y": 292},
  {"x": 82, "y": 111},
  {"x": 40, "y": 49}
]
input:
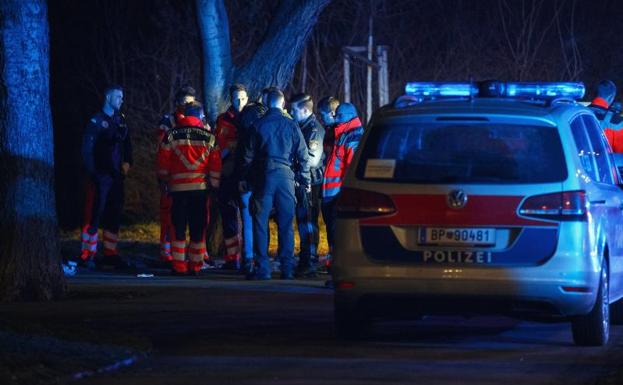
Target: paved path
[
  {"x": 280, "y": 332},
  {"x": 222, "y": 330}
]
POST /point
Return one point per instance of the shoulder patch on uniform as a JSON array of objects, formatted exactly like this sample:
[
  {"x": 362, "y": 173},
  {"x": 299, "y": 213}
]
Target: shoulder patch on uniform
[
  {"x": 104, "y": 124},
  {"x": 314, "y": 144}
]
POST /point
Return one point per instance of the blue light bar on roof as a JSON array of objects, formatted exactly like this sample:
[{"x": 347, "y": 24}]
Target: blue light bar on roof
[
  {"x": 544, "y": 90},
  {"x": 440, "y": 89},
  {"x": 533, "y": 90}
]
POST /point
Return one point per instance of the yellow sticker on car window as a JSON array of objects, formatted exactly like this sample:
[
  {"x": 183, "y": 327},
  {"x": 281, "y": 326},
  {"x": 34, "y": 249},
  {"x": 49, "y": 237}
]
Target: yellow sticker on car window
[{"x": 380, "y": 168}]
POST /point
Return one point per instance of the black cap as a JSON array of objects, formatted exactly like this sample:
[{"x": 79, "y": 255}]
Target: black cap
[
  {"x": 194, "y": 109},
  {"x": 184, "y": 91},
  {"x": 607, "y": 90}
]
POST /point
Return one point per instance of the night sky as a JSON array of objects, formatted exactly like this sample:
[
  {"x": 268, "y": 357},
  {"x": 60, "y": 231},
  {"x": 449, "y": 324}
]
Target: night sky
[{"x": 152, "y": 47}]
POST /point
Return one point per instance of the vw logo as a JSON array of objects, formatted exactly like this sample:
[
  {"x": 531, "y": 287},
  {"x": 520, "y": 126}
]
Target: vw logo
[{"x": 457, "y": 199}]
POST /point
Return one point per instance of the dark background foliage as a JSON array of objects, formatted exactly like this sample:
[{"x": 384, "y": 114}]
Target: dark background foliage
[{"x": 151, "y": 47}]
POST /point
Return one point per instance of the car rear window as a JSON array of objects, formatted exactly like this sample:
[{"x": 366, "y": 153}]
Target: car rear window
[{"x": 453, "y": 152}]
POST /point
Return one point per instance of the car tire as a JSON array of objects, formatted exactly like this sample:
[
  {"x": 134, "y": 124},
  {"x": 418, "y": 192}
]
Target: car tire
[
  {"x": 616, "y": 312},
  {"x": 350, "y": 322},
  {"x": 593, "y": 329}
]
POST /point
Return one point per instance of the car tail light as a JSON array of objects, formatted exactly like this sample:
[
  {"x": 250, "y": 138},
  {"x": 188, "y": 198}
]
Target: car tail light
[
  {"x": 576, "y": 289},
  {"x": 345, "y": 285},
  {"x": 354, "y": 203},
  {"x": 563, "y": 206}
]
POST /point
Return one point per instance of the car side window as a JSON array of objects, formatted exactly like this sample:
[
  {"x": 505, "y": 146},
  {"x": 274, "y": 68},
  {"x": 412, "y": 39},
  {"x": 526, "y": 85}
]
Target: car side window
[
  {"x": 600, "y": 151},
  {"x": 617, "y": 171},
  {"x": 585, "y": 152}
]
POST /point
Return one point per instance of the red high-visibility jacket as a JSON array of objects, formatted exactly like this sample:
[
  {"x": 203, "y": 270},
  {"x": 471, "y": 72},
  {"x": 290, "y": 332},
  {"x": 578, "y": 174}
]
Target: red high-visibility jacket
[
  {"x": 226, "y": 132},
  {"x": 347, "y": 137},
  {"x": 227, "y": 140},
  {"x": 615, "y": 138},
  {"x": 188, "y": 158},
  {"x": 613, "y": 132}
]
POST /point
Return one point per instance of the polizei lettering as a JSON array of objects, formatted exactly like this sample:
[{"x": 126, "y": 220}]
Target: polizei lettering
[{"x": 430, "y": 256}]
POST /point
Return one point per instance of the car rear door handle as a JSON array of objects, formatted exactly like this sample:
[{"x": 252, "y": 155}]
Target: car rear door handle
[{"x": 602, "y": 202}]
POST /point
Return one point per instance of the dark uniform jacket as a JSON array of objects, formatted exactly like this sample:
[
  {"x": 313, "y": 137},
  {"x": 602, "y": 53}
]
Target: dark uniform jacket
[
  {"x": 274, "y": 146},
  {"x": 313, "y": 132},
  {"x": 106, "y": 144},
  {"x": 249, "y": 116}
]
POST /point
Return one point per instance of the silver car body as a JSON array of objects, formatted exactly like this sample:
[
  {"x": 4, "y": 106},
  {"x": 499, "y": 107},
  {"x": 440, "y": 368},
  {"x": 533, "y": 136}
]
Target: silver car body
[{"x": 380, "y": 263}]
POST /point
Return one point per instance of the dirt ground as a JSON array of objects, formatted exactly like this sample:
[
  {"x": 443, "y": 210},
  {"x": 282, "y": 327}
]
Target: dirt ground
[
  {"x": 38, "y": 352},
  {"x": 101, "y": 327},
  {"x": 220, "y": 329}
]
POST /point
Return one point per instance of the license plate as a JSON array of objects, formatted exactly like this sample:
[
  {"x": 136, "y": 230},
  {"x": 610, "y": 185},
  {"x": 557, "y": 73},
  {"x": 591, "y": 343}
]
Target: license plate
[{"x": 457, "y": 236}]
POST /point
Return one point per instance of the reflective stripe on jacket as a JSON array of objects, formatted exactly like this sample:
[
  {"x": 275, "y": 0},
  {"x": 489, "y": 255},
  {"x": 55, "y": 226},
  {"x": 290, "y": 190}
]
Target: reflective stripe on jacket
[
  {"x": 227, "y": 139},
  {"x": 610, "y": 122},
  {"x": 227, "y": 132},
  {"x": 347, "y": 137},
  {"x": 188, "y": 159}
]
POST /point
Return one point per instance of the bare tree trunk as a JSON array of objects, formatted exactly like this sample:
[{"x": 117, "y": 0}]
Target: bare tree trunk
[
  {"x": 274, "y": 60},
  {"x": 217, "y": 63},
  {"x": 30, "y": 266},
  {"x": 304, "y": 71}
]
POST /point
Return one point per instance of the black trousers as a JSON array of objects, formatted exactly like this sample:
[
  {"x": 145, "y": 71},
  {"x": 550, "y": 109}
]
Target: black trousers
[
  {"x": 307, "y": 222},
  {"x": 104, "y": 203},
  {"x": 229, "y": 204},
  {"x": 329, "y": 214},
  {"x": 189, "y": 210}
]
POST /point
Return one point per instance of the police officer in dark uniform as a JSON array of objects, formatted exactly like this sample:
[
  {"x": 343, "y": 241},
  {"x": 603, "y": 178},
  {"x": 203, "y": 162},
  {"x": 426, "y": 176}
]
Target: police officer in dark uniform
[
  {"x": 308, "y": 205},
  {"x": 273, "y": 148},
  {"x": 107, "y": 155},
  {"x": 249, "y": 116}
]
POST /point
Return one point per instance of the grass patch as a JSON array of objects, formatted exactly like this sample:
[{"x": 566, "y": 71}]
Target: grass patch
[{"x": 149, "y": 232}]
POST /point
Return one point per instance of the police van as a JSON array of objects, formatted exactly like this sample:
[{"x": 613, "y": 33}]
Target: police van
[{"x": 482, "y": 198}]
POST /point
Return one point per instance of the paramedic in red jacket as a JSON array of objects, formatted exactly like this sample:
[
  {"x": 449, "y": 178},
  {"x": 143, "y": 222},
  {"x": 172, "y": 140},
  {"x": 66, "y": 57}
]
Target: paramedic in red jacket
[
  {"x": 183, "y": 96},
  {"x": 609, "y": 120},
  {"x": 347, "y": 134},
  {"x": 227, "y": 137},
  {"x": 190, "y": 163}
]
